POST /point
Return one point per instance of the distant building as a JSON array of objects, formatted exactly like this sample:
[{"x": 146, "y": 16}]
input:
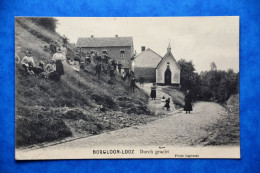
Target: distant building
[
  {"x": 118, "y": 48},
  {"x": 144, "y": 64},
  {"x": 168, "y": 70}
]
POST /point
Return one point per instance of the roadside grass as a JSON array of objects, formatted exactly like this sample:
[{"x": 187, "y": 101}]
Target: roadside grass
[{"x": 227, "y": 130}]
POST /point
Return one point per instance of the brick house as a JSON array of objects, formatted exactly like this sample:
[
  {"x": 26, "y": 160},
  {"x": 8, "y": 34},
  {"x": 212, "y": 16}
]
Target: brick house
[{"x": 119, "y": 48}]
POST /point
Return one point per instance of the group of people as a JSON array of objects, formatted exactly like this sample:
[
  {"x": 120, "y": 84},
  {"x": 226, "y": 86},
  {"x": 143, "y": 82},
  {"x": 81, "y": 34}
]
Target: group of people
[
  {"x": 166, "y": 102},
  {"x": 103, "y": 63},
  {"x": 53, "y": 70},
  {"x": 54, "y": 47}
]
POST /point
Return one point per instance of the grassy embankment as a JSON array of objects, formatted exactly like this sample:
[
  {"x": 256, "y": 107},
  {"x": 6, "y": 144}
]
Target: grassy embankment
[
  {"x": 226, "y": 131},
  {"x": 48, "y": 110}
]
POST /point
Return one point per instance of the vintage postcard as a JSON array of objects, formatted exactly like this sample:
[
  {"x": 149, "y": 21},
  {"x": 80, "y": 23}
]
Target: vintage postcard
[{"x": 126, "y": 87}]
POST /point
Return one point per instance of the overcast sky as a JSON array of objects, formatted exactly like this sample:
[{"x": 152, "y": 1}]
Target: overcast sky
[{"x": 200, "y": 39}]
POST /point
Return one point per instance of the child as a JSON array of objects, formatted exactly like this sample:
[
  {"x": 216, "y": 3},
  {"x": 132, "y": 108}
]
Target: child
[{"x": 167, "y": 104}]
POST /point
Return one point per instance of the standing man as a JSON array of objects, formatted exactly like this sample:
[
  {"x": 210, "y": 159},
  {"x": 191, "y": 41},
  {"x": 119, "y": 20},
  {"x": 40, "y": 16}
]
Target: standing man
[
  {"x": 98, "y": 70},
  {"x": 112, "y": 72},
  {"x": 132, "y": 84},
  {"x": 115, "y": 64},
  {"x": 119, "y": 67},
  {"x": 81, "y": 53},
  {"x": 99, "y": 59},
  {"x": 108, "y": 67},
  {"x": 52, "y": 47},
  {"x": 87, "y": 59}
]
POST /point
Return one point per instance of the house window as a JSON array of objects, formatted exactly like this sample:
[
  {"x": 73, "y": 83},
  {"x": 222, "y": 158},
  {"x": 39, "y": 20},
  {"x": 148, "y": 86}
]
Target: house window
[{"x": 122, "y": 53}]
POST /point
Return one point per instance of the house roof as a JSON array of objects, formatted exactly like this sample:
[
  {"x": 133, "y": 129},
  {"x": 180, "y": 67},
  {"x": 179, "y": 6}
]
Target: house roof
[
  {"x": 147, "y": 58},
  {"x": 148, "y": 49},
  {"x": 169, "y": 53},
  {"x": 105, "y": 42}
]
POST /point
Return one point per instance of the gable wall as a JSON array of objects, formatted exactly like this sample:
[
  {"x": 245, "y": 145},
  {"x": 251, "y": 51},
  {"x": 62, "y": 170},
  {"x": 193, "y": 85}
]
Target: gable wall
[
  {"x": 147, "y": 59},
  {"x": 162, "y": 68}
]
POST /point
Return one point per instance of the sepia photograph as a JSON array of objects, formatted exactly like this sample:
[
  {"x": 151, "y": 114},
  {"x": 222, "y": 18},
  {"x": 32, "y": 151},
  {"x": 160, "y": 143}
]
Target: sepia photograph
[{"x": 126, "y": 87}]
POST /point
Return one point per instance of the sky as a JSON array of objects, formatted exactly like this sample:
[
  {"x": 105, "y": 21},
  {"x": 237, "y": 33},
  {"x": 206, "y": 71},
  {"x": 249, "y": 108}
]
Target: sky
[{"x": 201, "y": 40}]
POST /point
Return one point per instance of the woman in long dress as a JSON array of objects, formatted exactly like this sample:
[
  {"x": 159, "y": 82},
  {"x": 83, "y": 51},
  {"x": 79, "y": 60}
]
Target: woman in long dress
[
  {"x": 153, "y": 91},
  {"x": 58, "y": 58},
  {"x": 188, "y": 100}
]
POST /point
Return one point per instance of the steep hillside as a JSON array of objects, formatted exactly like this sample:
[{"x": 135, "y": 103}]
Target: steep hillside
[{"x": 47, "y": 110}]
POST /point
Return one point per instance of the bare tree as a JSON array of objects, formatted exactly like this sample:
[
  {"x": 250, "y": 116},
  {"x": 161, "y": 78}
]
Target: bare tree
[{"x": 213, "y": 66}]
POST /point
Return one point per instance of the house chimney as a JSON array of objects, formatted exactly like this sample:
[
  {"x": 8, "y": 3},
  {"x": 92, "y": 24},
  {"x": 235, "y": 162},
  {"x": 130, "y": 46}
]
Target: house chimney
[
  {"x": 143, "y": 48},
  {"x": 92, "y": 36},
  {"x": 116, "y": 35}
]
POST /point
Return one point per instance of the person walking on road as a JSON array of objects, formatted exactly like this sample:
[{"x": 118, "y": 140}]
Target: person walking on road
[{"x": 188, "y": 100}]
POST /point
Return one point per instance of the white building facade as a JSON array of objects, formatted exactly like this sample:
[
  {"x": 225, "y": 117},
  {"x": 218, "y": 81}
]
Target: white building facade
[{"x": 168, "y": 70}]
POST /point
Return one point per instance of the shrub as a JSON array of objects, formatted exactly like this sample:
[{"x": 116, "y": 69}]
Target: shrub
[
  {"x": 38, "y": 125},
  {"x": 77, "y": 114},
  {"x": 104, "y": 100},
  {"x": 49, "y": 23}
]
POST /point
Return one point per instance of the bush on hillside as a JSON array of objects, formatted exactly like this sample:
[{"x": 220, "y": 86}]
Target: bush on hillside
[
  {"x": 36, "y": 125},
  {"x": 49, "y": 23},
  {"x": 104, "y": 100}
]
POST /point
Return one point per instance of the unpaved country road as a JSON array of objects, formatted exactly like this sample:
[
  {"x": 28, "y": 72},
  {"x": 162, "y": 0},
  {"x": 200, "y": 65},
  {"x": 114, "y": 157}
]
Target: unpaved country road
[{"x": 178, "y": 129}]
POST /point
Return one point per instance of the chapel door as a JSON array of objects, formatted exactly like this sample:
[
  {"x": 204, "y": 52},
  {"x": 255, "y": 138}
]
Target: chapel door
[{"x": 168, "y": 77}]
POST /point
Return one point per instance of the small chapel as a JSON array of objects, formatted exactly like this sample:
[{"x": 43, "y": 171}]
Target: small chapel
[
  {"x": 168, "y": 70},
  {"x": 153, "y": 68}
]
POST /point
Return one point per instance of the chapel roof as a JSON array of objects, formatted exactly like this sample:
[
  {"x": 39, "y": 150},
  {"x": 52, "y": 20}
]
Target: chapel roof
[{"x": 169, "y": 53}]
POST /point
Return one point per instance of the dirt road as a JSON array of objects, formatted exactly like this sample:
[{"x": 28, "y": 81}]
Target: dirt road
[{"x": 178, "y": 129}]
